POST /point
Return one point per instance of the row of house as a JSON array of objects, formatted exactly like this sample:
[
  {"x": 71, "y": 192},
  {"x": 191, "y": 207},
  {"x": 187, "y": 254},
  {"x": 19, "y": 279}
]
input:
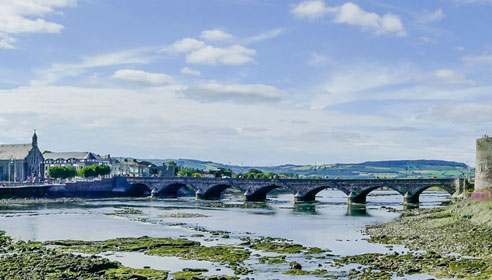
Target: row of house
[{"x": 25, "y": 162}]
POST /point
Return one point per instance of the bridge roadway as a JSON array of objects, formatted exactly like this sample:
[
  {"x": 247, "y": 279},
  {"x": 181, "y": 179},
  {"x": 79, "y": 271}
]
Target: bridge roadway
[{"x": 302, "y": 189}]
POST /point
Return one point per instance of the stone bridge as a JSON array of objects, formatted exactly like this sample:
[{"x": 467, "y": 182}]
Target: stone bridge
[{"x": 302, "y": 189}]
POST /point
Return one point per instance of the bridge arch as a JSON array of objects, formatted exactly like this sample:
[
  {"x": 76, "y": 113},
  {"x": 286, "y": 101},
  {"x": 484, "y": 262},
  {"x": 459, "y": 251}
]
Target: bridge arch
[
  {"x": 310, "y": 195},
  {"x": 414, "y": 198},
  {"x": 260, "y": 193},
  {"x": 169, "y": 191},
  {"x": 139, "y": 190},
  {"x": 361, "y": 197},
  {"x": 213, "y": 193}
]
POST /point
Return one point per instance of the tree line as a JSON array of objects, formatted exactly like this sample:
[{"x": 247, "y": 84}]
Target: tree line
[{"x": 67, "y": 172}]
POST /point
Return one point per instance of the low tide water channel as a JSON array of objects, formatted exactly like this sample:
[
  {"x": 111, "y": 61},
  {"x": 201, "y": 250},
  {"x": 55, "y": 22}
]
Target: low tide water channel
[{"x": 327, "y": 224}]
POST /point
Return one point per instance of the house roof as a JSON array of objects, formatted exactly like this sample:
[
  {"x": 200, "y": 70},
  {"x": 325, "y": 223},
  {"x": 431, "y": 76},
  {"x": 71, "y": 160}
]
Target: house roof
[
  {"x": 133, "y": 163},
  {"x": 15, "y": 151},
  {"x": 69, "y": 155}
]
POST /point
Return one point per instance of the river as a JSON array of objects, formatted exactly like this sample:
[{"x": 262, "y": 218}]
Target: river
[{"x": 328, "y": 224}]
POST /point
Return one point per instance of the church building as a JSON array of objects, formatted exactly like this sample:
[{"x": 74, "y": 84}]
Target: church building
[{"x": 21, "y": 162}]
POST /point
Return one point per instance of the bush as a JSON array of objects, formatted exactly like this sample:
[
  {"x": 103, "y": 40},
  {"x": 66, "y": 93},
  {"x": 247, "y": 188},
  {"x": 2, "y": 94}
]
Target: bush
[
  {"x": 95, "y": 170},
  {"x": 88, "y": 171},
  {"x": 62, "y": 172},
  {"x": 103, "y": 170}
]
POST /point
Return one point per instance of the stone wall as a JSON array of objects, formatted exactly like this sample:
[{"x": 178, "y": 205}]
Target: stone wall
[{"x": 95, "y": 189}]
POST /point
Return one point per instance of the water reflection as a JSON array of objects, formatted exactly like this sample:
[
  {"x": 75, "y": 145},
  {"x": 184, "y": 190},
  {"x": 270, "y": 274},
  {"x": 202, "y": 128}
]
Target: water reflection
[
  {"x": 305, "y": 207},
  {"x": 357, "y": 210},
  {"x": 410, "y": 206}
]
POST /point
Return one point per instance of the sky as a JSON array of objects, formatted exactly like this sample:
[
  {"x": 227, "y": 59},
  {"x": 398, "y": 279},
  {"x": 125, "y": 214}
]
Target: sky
[{"x": 249, "y": 82}]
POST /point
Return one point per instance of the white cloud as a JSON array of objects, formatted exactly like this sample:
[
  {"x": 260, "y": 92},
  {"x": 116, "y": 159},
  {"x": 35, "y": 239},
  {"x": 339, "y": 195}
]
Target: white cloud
[
  {"x": 189, "y": 71},
  {"x": 354, "y": 84},
  {"x": 428, "y": 40},
  {"x": 264, "y": 36},
  {"x": 6, "y": 42},
  {"x": 157, "y": 121},
  {"x": 485, "y": 59},
  {"x": 462, "y": 113},
  {"x": 58, "y": 71},
  {"x": 316, "y": 59},
  {"x": 311, "y": 9},
  {"x": 213, "y": 91},
  {"x": 233, "y": 55},
  {"x": 215, "y": 35},
  {"x": 142, "y": 78},
  {"x": 451, "y": 77},
  {"x": 460, "y": 48},
  {"x": 351, "y": 14},
  {"x": 428, "y": 17},
  {"x": 185, "y": 45},
  {"x": 199, "y": 52},
  {"x": 445, "y": 74},
  {"x": 251, "y": 133},
  {"x": 398, "y": 83},
  {"x": 25, "y": 16}
]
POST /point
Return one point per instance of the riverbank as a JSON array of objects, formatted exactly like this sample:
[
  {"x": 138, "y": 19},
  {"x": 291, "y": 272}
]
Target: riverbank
[
  {"x": 186, "y": 239},
  {"x": 454, "y": 242}
]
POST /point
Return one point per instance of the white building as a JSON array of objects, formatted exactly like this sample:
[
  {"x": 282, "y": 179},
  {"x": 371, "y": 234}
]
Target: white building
[{"x": 78, "y": 160}]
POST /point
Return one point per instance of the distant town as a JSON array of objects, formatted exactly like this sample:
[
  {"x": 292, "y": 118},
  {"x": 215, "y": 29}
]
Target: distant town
[{"x": 26, "y": 163}]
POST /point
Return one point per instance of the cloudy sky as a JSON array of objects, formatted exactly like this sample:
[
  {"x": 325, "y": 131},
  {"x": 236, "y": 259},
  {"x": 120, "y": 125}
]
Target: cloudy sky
[{"x": 248, "y": 81}]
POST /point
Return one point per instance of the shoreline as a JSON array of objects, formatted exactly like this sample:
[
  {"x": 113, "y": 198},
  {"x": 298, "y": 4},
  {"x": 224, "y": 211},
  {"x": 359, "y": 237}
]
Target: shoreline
[
  {"x": 444, "y": 233},
  {"x": 452, "y": 242}
]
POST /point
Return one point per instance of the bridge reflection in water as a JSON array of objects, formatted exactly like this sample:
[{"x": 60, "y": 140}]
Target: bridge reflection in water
[{"x": 302, "y": 189}]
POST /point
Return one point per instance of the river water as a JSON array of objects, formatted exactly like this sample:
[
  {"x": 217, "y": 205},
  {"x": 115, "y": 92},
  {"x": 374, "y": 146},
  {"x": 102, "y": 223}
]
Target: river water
[{"x": 329, "y": 224}]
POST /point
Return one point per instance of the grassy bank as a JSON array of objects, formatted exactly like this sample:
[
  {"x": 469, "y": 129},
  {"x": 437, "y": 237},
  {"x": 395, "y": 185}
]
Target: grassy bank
[{"x": 455, "y": 242}]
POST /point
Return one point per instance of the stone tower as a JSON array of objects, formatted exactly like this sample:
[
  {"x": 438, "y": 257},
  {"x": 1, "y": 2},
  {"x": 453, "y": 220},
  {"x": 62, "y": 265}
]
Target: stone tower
[{"x": 483, "y": 171}]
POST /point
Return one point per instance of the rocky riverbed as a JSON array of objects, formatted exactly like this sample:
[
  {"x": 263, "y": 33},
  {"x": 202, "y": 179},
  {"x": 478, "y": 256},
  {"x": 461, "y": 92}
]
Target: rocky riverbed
[
  {"x": 181, "y": 239},
  {"x": 454, "y": 242}
]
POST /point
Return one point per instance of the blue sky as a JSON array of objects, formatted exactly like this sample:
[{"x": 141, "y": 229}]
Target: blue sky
[{"x": 248, "y": 81}]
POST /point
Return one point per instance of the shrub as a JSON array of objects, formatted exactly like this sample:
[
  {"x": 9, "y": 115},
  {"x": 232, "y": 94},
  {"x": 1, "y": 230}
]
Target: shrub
[{"x": 62, "y": 172}]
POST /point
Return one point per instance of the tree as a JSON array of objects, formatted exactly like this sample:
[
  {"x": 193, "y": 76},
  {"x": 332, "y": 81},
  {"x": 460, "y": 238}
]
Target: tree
[
  {"x": 197, "y": 175},
  {"x": 62, "y": 172},
  {"x": 188, "y": 171},
  {"x": 95, "y": 170},
  {"x": 218, "y": 173},
  {"x": 103, "y": 170},
  {"x": 88, "y": 171},
  {"x": 255, "y": 171}
]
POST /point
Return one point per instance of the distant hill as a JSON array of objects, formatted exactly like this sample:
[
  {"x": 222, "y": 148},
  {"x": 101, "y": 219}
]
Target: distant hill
[{"x": 370, "y": 169}]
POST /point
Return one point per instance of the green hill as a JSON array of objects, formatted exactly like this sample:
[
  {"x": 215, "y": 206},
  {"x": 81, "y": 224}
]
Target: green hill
[{"x": 370, "y": 169}]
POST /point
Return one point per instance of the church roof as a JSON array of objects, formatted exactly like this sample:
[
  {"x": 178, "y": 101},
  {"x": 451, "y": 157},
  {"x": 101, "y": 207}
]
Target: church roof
[
  {"x": 69, "y": 155},
  {"x": 14, "y": 151}
]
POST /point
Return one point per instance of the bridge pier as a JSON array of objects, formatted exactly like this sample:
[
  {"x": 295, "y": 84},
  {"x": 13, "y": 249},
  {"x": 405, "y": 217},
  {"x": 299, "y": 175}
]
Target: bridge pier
[
  {"x": 308, "y": 194},
  {"x": 200, "y": 195},
  {"x": 211, "y": 193},
  {"x": 254, "y": 197},
  {"x": 258, "y": 193},
  {"x": 356, "y": 210},
  {"x": 304, "y": 197},
  {"x": 409, "y": 198},
  {"x": 354, "y": 198}
]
